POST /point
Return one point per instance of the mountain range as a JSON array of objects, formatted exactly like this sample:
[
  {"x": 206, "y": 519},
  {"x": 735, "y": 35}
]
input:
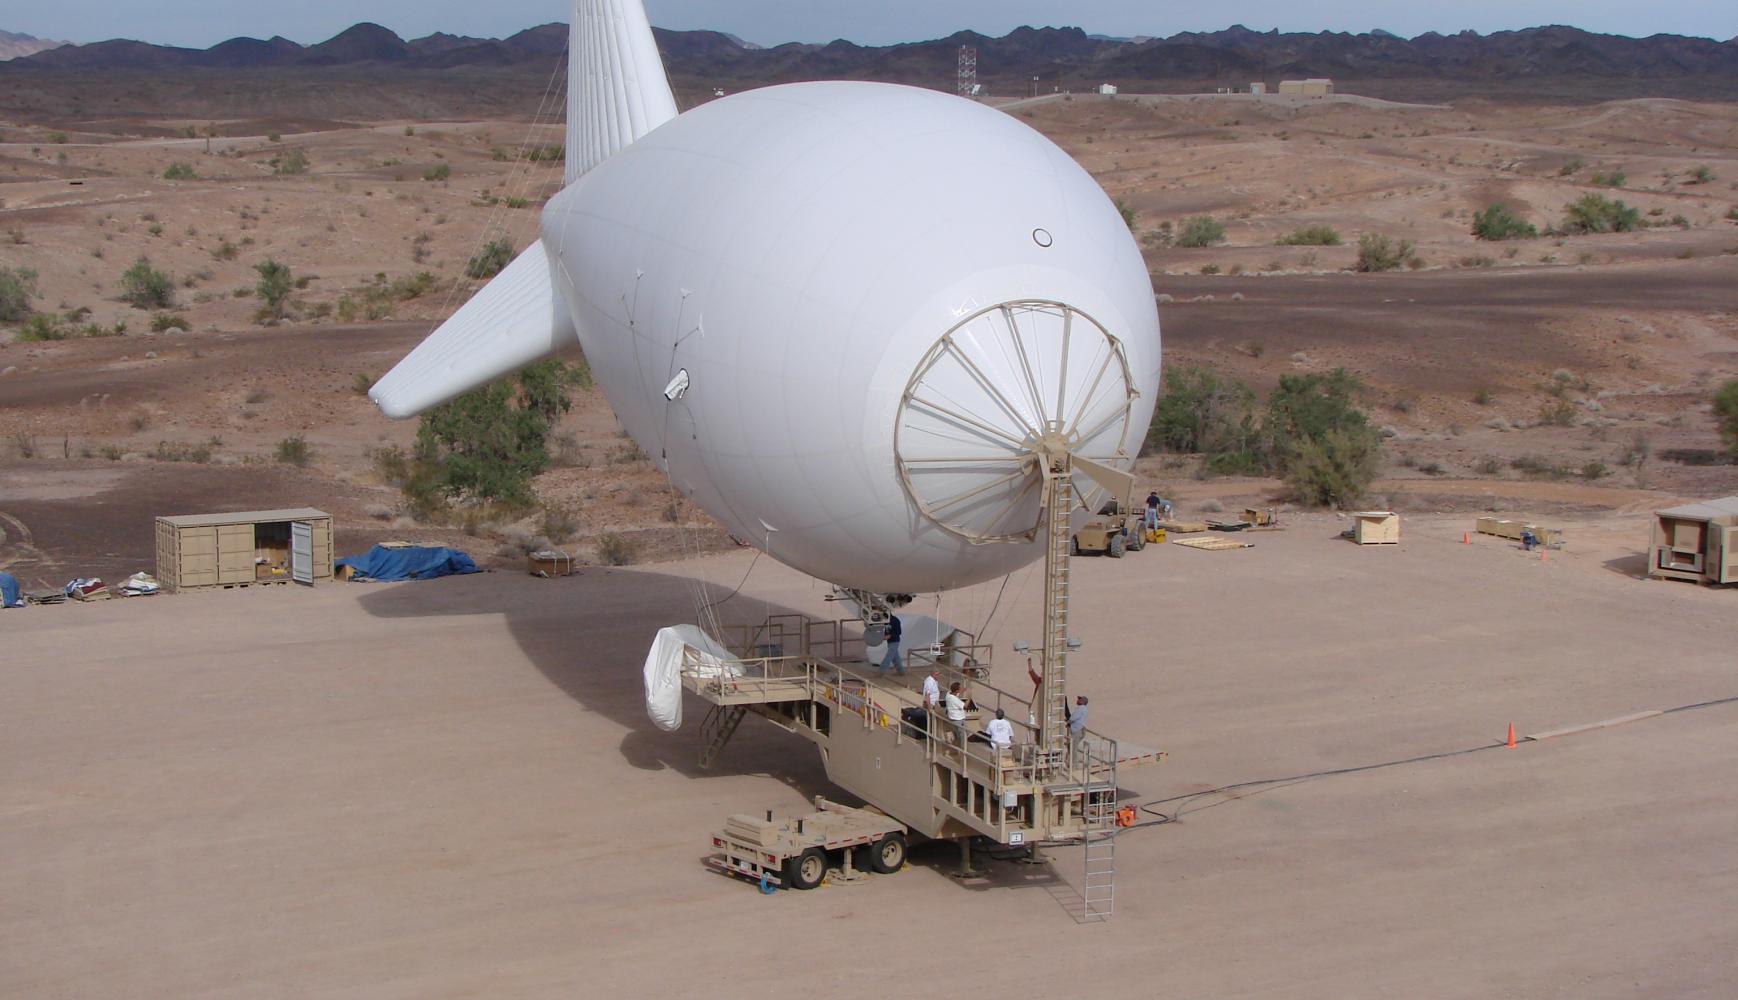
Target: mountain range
[
  {"x": 1507, "y": 61},
  {"x": 12, "y": 46}
]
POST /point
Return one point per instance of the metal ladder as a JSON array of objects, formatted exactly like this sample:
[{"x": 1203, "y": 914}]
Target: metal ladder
[
  {"x": 1056, "y": 587},
  {"x": 1098, "y": 885},
  {"x": 716, "y": 731}
]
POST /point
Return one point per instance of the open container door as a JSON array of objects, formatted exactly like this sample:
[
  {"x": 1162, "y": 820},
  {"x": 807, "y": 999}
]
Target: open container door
[{"x": 302, "y": 552}]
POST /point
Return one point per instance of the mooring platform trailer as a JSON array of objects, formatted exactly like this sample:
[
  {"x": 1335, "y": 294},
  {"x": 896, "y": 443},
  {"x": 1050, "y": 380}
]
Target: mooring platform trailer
[{"x": 797, "y": 852}]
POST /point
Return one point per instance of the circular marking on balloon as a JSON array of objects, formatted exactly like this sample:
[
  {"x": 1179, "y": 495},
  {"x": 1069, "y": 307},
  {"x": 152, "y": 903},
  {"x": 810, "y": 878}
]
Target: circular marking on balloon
[{"x": 1041, "y": 237}]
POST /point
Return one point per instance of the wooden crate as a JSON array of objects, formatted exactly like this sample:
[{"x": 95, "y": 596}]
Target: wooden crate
[
  {"x": 196, "y": 551},
  {"x": 1376, "y": 527}
]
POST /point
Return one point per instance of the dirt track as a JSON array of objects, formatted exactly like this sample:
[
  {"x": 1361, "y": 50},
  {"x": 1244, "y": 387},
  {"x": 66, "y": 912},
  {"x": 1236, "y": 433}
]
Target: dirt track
[{"x": 450, "y": 789}]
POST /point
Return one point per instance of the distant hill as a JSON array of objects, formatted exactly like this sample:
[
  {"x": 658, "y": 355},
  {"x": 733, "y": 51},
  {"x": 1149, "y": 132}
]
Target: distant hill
[
  {"x": 1547, "y": 63},
  {"x": 13, "y": 45}
]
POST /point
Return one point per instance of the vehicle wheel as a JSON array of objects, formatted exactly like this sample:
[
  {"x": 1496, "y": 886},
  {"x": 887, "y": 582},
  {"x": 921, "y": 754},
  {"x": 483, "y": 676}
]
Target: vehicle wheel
[
  {"x": 863, "y": 858},
  {"x": 888, "y": 854},
  {"x": 1136, "y": 542},
  {"x": 1074, "y": 546},
  {"x": 806, "y": 870},
  {"x": 1116, "y": 547}
]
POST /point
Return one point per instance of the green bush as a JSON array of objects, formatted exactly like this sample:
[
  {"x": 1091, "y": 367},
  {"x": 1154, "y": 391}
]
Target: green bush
[
  {"x": 1122, "y": 207},
  {"x": 1703, "y": 174},
  {"x": 17, "y": 288},
  {"x": 438, "y": 172},
  {"x": 1335, "y": 469},
  {"x": 487, "y": 444},
  {"x": 616, "y": 549},
  {"x": 489, "y": 261},
  {"x": 1558, "y": 413},
  {"x": 1378, "y": 253},
  {"x": 1498, "y": 222},
  {"x": 294, "y": 450},
  {"x": 1572, "y": 167},
  {"x": 179, "y": 172},
  {"x": 1595, "y": 213},
  {"x": 274, "y": 287},
  {"x": 1202, "y": 412},
  {"x": 1726, "y": 414},
  {"x": 294, "y": 161},
  {"x": 1200, "y": 231},
  {"x": 1614, "y": 179},
  {"x": 167, "y": 321},
  {"x": 1322, "y": 443},
  {"x": 145, "y": 287},
  {"x": 44, "y": 327},
  {"x": 1310, "y": 236}
]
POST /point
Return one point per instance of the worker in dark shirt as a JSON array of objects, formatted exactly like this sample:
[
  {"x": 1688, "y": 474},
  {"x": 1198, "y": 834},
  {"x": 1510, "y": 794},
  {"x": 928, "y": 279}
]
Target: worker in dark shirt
[{"x": 892, "y": 658}]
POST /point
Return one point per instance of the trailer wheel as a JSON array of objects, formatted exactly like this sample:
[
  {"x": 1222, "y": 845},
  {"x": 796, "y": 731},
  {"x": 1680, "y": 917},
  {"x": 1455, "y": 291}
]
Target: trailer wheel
[
  {"x": 806, "y": 870},
  {"x": 1116, "y": 547},
  {"x": 888, "y": 854},
  {"x": 1074, "y": 546}
]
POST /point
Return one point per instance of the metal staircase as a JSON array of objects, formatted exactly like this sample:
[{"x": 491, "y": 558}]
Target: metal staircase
[{"x": 716, "y": 730}]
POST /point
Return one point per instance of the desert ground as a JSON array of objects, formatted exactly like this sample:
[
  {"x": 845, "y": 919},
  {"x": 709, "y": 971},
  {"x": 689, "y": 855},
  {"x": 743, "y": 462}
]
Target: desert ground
[{"x": 450, "y": 788}]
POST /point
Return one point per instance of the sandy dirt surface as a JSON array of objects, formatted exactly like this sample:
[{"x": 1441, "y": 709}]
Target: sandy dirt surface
[{"x": 450, "y": 789}]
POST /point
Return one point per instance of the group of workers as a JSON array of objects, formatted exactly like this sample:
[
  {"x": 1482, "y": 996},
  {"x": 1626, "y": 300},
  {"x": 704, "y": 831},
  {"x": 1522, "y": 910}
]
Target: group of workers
[{"x": 998, "y": 732}]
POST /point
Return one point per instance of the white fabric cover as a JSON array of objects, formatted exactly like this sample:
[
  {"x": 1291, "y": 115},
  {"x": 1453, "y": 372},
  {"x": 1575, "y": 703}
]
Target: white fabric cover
[{"x": 664, "y": 662}]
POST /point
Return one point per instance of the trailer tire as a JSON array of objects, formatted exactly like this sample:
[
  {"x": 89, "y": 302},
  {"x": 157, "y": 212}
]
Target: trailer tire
[
  {"x": 887, "y": 855},
  {"x": 806, "y": 870}
]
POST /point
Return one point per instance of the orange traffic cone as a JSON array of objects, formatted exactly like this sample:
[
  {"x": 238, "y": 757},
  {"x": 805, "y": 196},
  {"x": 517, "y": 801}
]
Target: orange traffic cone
[
  {"x": 1542, "y": 554},
  {"x": 1465, "y": 539},
  {"x": 1511, "y": 743}
]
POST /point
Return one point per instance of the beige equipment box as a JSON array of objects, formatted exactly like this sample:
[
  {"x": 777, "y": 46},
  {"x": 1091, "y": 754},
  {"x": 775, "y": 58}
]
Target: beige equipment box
[
  {"x": 196, "y": 551},
  {"x": 1376, "y": 527},
  {"x": 1697, "y": 541}
]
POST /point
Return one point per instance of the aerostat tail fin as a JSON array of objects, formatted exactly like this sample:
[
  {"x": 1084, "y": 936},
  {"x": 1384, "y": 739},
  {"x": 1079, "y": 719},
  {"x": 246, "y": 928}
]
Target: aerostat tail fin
[
  {"x": 616, "y": 87},
  {"x": 516, "y": 319}
]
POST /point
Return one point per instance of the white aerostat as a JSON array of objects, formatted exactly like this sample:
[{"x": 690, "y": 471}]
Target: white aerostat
[{"x": 846, "y": 319}]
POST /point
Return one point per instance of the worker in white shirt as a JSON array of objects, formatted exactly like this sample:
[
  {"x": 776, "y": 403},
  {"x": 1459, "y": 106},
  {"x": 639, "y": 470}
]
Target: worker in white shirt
[
  {"x": 1000, "y": 731},
  {"x": 956, "y": 712},
  {"x": 932, "y": 690}
]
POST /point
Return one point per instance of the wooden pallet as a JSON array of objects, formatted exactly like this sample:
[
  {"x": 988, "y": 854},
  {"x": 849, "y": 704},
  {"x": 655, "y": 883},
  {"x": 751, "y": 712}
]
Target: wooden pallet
[
  {"x": 1215, "y": 544},
  {"x": 1183, "y": 527}
]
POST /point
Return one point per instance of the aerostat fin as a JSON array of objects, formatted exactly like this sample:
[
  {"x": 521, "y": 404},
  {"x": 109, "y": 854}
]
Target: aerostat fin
[
  {"x": 616, "y": 87},
  {"x": 515, "y": 320}
]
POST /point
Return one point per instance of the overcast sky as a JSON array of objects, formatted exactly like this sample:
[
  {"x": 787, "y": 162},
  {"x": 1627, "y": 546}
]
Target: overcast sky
[{"x": 872, "y": 22}]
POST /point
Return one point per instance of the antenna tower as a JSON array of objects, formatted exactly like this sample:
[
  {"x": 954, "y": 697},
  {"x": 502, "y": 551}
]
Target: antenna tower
[{"x": 968, "y": 73}]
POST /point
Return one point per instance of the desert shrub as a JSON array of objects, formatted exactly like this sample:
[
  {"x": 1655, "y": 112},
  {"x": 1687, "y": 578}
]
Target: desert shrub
[
  {"x": 1726, "y": 414},
  {"x": 1594, "y": 470},
  {"x": 17, "y": 288},
  {"x": 1572, "y": 167},
  {"x": 1595, "y": 213},
  {"x": 294, "y": 450},
  {"x": 179, "y": 172},
  {"x": 1477, "y": 260},
  {"x": 1209, "y": 269},
  {"x": 487, "y": 444},
  {"x": 1122, "y": 207},
  {"x": 1489, "y": 466},
  {"x": 489, "y": 261},
  {"x": 361, "y": 383},
  {"x": 1482, "y": 397},
  {"x": 1612, "y": 179},
  {"x": 1201, "y": 231},
  {"x": 1377, "y": 252},
  {"x": 1203, "y": 412},
  {"x": 1557, "y": 413},
  {"x": 181, "y": 451},
  {"x": 1703, "y": 174},
  {"x": 540, "y": 154},
  {"x": 515, "y": 202},
  {"x": 145, "y": 287},
  {"x": 1320, "y": 441},
  {"x": 168, "y": 321},
  {"x": 1499, "y": 222},
  {"x": 392, "y": 464},
  {"x": 274, "y": 287},
  {"x": 411, "y": 286},
  {"x": 294, "y": 161},
  {"x": 560, "y": 521},
  {"x": 1310, "y": 236},
  {"x": 439, "y": 172},
  {"x": 616, "y": 549},
  {"x": 44, "y": 327},
  {"x": 1537, "y": 466}
]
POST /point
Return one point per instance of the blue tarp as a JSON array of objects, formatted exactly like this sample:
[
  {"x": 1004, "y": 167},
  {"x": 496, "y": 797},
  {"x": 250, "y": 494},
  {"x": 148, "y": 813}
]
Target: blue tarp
[
  {"x": 9, "y": 591},
  {"x": 416, "y": 563}
]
